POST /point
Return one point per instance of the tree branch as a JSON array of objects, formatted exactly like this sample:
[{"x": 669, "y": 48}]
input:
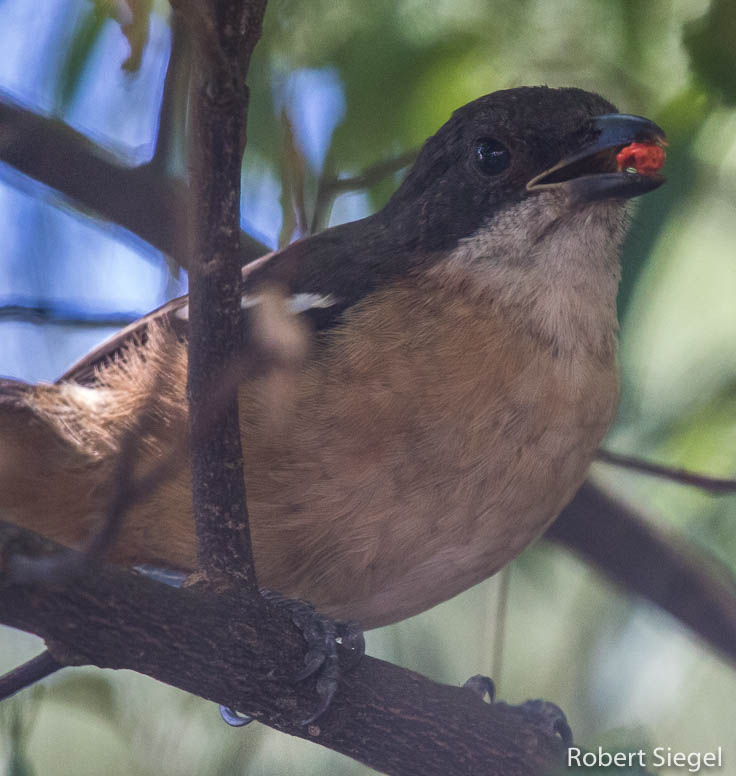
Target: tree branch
[
  {"x": 29, "y": 673},
  {"x": 681, "y": 476},
  {"x": 389, "y": 718},
  {"x": 641, "y": 559},
  {"x": 139, "y": 199},
  {"x": 223, "y": 36},
  {"x": 63, "y": 315},
  {"x": 172, "y": 114}
]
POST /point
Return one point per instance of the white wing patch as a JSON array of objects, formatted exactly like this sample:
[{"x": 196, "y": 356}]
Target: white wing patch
[{"x": 298, "y": 303}]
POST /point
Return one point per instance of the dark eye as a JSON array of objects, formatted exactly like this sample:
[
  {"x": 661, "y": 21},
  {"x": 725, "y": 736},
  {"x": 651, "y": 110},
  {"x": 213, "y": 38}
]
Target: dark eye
[{"x": 492, "y": 156}]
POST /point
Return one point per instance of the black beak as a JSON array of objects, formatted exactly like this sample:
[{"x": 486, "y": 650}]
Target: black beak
[{"x": 593, "y": 172}]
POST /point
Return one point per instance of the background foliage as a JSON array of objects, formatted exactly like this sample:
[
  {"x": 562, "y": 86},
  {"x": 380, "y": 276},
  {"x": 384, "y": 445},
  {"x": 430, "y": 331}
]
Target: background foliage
[{"x": 354, "y": 83}]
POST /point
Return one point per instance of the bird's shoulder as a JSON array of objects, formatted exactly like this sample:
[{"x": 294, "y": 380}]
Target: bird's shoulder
[{"x": 322, "y": 275}]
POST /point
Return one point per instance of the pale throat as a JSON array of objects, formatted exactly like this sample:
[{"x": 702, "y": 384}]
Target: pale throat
[{"x": 553, "y": 271}]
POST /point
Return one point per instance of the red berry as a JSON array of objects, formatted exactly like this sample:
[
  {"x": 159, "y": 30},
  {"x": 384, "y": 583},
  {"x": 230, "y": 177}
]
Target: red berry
[{"x": 645, "y": 158}]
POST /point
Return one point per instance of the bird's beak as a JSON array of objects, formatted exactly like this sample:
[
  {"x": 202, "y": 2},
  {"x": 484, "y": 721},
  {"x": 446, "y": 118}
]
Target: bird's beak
[{"x": 618, "y": 160}]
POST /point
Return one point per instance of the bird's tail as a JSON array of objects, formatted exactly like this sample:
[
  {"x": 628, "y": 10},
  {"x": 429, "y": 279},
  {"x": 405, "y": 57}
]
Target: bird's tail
[
  {"x": 62, "y": 446},
  {"x": 47, "y": 480}
]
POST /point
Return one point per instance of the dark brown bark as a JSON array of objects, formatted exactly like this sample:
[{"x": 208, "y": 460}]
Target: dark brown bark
[
  {"x": 224, "y": 34},
  {"x": 392, "y": 719}
]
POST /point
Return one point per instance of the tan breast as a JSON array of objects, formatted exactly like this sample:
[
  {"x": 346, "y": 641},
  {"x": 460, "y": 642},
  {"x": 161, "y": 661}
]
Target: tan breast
[
  {"x": 408, "y": 469},
  {"x": 412, "y": 458}
]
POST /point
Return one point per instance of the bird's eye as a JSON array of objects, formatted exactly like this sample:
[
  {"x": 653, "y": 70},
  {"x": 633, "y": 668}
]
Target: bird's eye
[{"x": 492, "y": 156}]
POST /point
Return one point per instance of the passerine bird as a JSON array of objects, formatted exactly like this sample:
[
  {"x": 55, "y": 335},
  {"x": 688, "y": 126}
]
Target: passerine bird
[{"x": 460, "y": 377}]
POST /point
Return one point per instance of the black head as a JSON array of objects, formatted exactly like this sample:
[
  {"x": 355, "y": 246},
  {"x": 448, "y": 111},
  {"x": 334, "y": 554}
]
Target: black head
[
  {"x": 491, "y": 149},
  {"x": 507, "y": 169}
]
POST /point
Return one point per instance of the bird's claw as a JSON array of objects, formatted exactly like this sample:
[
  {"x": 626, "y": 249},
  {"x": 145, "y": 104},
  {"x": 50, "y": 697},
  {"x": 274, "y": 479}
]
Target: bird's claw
[
  {"x": 321, "y": 659},
  {"x": 547, "y": 715},
  {"x": 550, "y": 717},
  {"x": 234, "y": 718},
  {"x": 481, "y": 686},
  {"x": 323, "y": 636},
  {"x": 350, "y": 635}
]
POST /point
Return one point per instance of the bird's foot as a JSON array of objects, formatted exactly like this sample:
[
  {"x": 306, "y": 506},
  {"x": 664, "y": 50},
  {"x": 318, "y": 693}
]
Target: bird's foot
[
  {"x": 551, "y": 718},
  {"x": 323, "y": 636},
  {"x": 481, "y": 686},
  {"x": 546, "y": 715}
]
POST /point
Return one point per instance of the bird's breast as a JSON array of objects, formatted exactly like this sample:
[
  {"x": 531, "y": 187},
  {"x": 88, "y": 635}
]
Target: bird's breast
[{"x": 427, "y": 443}]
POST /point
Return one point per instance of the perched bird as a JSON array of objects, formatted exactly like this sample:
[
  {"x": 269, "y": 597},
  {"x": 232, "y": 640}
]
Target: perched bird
[{"x": 460, "y": 377}]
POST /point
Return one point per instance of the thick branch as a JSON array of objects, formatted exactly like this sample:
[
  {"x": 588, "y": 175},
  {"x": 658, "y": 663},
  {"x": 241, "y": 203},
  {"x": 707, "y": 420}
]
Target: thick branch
[
  {"x": 644, "y": 560},
  {"x": 139, "y": 199},
  {"x": 390, "y": 718},
  {"x": 224, "y": 35}
]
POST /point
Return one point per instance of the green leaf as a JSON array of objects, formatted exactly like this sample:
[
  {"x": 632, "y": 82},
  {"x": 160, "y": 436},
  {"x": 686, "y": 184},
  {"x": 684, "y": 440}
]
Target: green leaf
[
  {"x": 90, "y": 691},
  {"x": 711, "y": 43},
  {"x": 84, "y": 40}
]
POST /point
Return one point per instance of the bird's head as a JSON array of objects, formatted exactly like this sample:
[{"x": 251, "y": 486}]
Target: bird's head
[
  {"x": 519, "y": 198},
  {"x": 543, "y": 154}
]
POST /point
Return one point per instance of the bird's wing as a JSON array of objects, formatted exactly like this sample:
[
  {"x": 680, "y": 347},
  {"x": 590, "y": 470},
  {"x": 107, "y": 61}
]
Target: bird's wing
[
  {"x": 175, "y": 315},
  {"x": 85, "y": 371},
  {"x": 322, "y": 279}
]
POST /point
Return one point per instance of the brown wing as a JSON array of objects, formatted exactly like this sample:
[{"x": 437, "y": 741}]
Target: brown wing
[
  {"x": 134, "y": 335},
  {"x": 85, "y": 370}
]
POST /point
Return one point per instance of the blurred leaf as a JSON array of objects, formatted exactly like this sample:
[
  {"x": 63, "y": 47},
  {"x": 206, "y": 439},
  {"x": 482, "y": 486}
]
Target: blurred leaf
[
  {"x": 133, "y": 17},
  {"x": 84, "y": 40},
  {"x": 711, "y": 43},
  {"x": 293, "y": 171},
  {"x": 706, "y": 441},
  {"x": 89, "y": 691},
  {"x": 18, "y": 717},
  {"x": 19, "y": 765},
  {"x": 682, "y": 118}
]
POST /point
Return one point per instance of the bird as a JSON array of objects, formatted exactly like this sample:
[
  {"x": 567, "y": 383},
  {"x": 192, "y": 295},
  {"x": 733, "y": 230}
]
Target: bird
[{"x": 459, "y": 375}]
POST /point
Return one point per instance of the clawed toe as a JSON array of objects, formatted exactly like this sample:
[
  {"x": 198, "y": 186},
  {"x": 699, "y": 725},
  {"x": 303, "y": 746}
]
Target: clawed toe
[
  {"x": 234, "y": 718},
  {"x": 481, "y": 686},
  {"x": 323, "y": 637},
  {"x": 543, "y": 713},
  {"x": 551, "y": 717}
]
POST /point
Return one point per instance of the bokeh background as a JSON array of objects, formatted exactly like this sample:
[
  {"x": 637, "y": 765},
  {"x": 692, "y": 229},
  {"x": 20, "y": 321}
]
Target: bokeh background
[{"x": 336, "y": 86}]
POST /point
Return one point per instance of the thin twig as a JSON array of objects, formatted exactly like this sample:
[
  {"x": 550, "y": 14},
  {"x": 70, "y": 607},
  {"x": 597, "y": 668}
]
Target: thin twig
[
  {"x": 52, "y": 313},
  {"x": 499, "y": 635},
  {"x": 292, "y": 185},
  {"x": 173, "y": 99},
  {"x": 330, "y": 186},
  {"x": 715, "y": 485},
  {"x": 28, "y": 673}
]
